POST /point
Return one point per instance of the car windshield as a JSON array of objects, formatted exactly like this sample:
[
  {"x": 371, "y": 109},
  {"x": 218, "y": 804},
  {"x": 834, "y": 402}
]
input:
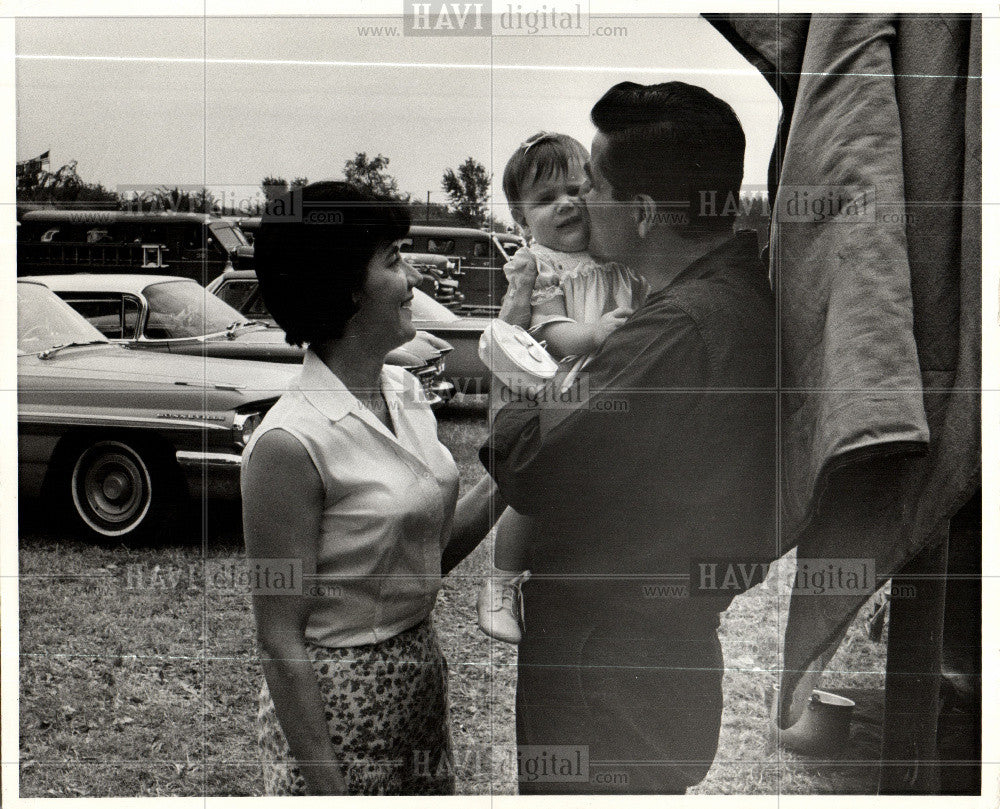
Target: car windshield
[
  {"x": 508, "y": 247},
  {"x": 228, "y": 236},
  {"x": 426, "y": 308},
  {"x": 236, "y": 293},
  {"x": 186, "y": 309},
  {"x": 45, "y": 321}
]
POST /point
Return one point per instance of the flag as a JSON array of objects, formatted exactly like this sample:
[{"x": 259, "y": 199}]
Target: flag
[
  {"x": 39, "y": 161},
  {"x": 31, "y": 167}
]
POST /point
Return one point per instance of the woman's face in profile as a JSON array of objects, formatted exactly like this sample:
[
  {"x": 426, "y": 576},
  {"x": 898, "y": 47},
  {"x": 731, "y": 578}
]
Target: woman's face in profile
[{"x": 384, "y": 311}]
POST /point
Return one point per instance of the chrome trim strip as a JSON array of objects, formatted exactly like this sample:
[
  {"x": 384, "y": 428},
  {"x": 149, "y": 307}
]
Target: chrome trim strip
[
  {"x": 89, "y": 419},
  {"x": 226, "y": 460},
  {"x": 198, "y": 338}
]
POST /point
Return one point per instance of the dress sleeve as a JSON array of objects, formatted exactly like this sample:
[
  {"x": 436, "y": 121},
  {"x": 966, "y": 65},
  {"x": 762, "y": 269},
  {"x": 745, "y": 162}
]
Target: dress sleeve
[
  {"x": 633, "y": 398},
  {"x": 548, "y": 305}
]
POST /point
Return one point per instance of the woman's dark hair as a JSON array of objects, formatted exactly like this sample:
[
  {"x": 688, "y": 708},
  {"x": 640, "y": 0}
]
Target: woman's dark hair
[
  {"x": 677, "y": 143},
  {"x": 543, "y": 155},
  {"x": 312, "y": 254}
]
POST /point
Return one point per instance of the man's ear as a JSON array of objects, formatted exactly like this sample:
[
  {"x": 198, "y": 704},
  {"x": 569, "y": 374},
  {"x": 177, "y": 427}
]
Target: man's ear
[{"x": 644, "y": 214}]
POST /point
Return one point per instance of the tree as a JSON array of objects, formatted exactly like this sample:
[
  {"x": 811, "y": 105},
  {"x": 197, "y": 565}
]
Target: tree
[
  {"x": 436, "y": 214},
  {"x": 63, "y": 187},
  {"x": 273, "y": 187},
  {"x": 372, "y": 176},
  {"x": 497, "y": 224},
  {"x": 469, "y": 191},
  {"x": 165, "y": 199}
]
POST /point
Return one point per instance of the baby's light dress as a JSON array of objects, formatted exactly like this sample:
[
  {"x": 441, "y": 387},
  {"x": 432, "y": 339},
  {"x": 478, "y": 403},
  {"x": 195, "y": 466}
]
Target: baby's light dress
[{"x": 575, "y": 287}]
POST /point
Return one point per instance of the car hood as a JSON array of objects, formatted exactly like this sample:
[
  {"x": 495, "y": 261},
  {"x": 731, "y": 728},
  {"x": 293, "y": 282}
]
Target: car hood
[
  {"x": 112, "y": 363},
  {"x": 419, "y": 351},
  {"x": 421, "y": 348},
  {"x": 457, "y": 324}
]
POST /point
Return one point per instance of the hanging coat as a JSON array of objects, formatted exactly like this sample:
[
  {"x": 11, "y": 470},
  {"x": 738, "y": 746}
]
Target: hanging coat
[{"x": 875, "y": 254}]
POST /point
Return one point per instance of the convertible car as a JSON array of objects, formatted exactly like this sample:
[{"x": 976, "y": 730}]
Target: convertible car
[
  {"x": 176, "y": 315},
  {"x": 119, "y": 440},
  {"x": 464, "y": 369}
]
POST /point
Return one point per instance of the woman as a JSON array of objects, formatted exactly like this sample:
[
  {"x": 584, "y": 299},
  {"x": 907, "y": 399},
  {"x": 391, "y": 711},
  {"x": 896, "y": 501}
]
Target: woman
[{"x": 346, "y": 477}]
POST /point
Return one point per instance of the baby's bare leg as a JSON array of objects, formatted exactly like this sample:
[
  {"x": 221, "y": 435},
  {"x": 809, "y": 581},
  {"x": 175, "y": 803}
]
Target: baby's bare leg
[
  {"x": 510, "y": 551},
  {"x": 499, "y": 602}
]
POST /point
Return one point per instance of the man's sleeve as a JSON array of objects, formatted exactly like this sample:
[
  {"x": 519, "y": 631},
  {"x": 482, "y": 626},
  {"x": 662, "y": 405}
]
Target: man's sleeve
[{"x": 634, "y": 399}]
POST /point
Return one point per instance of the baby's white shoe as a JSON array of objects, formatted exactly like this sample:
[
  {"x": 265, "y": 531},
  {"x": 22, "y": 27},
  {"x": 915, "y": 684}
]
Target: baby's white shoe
[{"x": 500, "y": 609}]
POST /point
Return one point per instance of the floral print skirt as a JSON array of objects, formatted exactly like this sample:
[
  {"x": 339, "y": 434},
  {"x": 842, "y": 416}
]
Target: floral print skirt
[{"x": 387, "y": 714}]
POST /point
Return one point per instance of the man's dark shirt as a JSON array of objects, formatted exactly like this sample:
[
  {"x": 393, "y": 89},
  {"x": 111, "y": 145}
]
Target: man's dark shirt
[{"x": 672, "y": 457}]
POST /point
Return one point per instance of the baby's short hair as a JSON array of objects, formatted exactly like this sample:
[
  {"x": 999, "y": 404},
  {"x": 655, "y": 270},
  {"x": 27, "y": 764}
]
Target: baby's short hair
[{"x": 543, "y": 155}]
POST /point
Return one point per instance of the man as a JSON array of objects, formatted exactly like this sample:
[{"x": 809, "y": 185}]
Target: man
[{"x": 665, "y": 465}]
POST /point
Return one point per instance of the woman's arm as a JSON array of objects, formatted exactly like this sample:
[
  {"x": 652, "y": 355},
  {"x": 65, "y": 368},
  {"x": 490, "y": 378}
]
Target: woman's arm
[
  {"x": 282, "y": 510},
  {"x": 477, "y": 511}
]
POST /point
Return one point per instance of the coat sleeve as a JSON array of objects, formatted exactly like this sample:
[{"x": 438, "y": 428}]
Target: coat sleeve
[{"x": 632, "y": 400}]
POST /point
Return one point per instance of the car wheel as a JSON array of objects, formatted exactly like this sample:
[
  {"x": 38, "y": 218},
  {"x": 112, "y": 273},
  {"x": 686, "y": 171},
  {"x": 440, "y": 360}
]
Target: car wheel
[{"x": 120, "y": 490}]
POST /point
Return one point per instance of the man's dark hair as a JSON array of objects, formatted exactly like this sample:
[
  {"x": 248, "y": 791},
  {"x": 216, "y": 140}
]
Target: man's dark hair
[
  {"x": 677, "y": 143},
  {"x": 543, "y": 155},
  {"x": 312, "y": 254}
]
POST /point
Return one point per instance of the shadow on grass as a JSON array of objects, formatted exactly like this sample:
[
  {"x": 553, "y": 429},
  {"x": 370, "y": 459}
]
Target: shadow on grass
[{"x": 215, "y": 524}]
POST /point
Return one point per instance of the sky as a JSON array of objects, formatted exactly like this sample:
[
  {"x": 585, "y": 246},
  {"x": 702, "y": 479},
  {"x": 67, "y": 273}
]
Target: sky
[{"x": 227, "y": 101}]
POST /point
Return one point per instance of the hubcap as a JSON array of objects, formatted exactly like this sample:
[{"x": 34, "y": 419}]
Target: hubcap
[{"x": 112, "y": 489}]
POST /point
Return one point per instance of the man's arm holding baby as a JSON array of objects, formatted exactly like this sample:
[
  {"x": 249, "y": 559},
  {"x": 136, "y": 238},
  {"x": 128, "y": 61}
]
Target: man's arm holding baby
[{"x": 639, "y": 389}]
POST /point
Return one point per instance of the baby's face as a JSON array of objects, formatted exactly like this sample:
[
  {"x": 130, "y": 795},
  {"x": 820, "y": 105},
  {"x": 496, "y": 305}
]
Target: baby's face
[{"x": 554, "y": 213}]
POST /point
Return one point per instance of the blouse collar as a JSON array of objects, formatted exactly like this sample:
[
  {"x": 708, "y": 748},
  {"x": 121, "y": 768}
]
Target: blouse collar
[
  {"x": 328, "y": 394},
  {"x": 323, "y": 388}
]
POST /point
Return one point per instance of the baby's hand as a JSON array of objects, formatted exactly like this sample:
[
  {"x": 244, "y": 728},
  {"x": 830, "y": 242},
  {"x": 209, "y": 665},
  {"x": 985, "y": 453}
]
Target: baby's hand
[
  {"x": 608, "y": 323},
  {"x": 522, "y": 268}
]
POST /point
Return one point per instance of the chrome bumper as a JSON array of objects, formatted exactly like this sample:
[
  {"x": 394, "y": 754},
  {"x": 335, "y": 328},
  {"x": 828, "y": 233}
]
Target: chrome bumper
[
  {"x": 211, "y": 474},
  {"x": 442, "y": 391},
  {"x": 437, "y": 390}
]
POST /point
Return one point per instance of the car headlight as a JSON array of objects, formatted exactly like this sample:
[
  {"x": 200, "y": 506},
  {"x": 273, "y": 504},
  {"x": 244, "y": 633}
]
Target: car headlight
[{"x": 243, "y": 426}]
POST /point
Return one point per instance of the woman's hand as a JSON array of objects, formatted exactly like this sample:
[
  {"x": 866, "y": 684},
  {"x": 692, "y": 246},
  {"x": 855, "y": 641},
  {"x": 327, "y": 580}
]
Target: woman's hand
[{"x": 475, "y": 515}]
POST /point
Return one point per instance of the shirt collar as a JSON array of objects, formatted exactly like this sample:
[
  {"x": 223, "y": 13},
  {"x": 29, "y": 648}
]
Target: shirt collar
[
  {"x": 738, "y": 252},
  {"x": 325, "y": 391},
  {"x": 323, "y": 388}
]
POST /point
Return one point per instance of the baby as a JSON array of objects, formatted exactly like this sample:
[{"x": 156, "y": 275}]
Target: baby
[{"x": 563, "y": 297}]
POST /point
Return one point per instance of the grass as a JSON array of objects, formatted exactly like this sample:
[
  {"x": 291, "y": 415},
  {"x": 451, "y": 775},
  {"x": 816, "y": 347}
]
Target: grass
[{"x": 138, "y": 674}]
